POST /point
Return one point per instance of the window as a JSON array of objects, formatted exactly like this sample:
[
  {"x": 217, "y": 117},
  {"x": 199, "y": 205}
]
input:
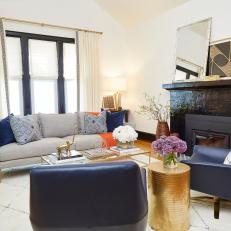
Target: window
[
  {"x": 15, "y": 96},
  {"x": 70, "y": 73},
  {"x": 43, "y": 59},
  {"x": 42, "y": 73},
  {"x": 44, "y": 96},
  {"x": 14, "y": 60}
]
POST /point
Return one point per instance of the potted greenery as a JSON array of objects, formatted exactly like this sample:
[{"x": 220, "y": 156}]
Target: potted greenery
[{"x": 155, "y": 110}]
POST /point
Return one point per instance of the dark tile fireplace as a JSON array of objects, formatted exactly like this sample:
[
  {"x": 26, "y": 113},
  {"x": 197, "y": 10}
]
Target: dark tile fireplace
[{"x": 201, "y": 112}]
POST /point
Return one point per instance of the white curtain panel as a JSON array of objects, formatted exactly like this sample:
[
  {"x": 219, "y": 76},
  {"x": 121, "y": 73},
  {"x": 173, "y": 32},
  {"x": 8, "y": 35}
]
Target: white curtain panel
[
  {"x": 4, "y": 95},
  {"x": 69, "y": 61},
  {"x": 89, "y": 70}
]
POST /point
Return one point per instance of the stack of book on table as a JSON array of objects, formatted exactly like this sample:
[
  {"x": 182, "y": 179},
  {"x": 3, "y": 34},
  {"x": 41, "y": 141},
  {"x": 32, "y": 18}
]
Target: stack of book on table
[
  {"x": 126, "y": 151},
  {"x": 98, "y": 153}
]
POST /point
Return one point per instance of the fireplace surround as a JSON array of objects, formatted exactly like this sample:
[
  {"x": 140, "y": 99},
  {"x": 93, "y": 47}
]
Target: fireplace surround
[{"x": 208, "y": 103}]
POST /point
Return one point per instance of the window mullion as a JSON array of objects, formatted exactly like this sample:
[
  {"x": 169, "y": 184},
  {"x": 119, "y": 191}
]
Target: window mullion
[
  {"x": 26, "y": 87},
  {"x": 60, "y": 85}
]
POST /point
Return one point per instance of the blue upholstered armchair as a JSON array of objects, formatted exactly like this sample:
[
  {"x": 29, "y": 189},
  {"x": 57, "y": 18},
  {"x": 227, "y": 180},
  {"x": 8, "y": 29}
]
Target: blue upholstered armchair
[
  {"x": 209, "y": 175},
  {"x": 91, "y": 197}
]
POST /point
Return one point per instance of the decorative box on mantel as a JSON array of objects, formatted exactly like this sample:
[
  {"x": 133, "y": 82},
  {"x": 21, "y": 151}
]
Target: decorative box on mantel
[{"x": 202, "y": 98}]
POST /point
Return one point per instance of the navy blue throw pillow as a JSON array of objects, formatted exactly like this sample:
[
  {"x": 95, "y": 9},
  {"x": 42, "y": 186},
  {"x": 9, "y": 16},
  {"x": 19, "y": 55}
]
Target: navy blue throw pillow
[
  {"x": 6, "y": 133},
  {"x": 114, "y": 120}
]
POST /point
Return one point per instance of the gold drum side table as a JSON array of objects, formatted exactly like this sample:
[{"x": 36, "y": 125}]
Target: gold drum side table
[{"x": 169, "y": 197}]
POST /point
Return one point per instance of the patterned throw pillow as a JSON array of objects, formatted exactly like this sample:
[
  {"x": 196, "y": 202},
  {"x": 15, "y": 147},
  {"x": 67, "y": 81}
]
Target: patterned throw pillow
[
  {"x": 25, "y": 129},
  {"x": 95, "y": 124},
  {"x": 228, "y": 159}
]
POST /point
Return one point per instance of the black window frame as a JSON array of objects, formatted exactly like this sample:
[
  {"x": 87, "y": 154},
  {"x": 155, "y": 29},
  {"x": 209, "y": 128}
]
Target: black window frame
[{"x": 26, "y": 79}]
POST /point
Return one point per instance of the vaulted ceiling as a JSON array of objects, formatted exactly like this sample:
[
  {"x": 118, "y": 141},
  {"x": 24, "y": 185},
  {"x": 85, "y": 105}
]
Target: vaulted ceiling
[{"x": 131, "y": 12}]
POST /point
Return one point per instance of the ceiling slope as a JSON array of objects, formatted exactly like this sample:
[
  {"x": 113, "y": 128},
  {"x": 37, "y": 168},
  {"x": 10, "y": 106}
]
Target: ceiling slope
[{"x": 132, "y": 12}]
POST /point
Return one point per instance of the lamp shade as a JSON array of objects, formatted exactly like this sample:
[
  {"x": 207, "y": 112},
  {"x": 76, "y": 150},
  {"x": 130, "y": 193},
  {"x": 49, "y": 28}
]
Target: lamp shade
[{"x": 115, "y": 84}]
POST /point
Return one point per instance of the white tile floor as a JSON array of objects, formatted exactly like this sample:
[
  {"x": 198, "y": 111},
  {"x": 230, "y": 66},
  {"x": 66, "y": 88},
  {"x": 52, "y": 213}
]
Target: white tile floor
[{"x": 14, "y": 208}]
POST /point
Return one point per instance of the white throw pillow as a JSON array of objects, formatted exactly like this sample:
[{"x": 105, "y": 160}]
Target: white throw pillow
[{"x": 228, "y": 159}]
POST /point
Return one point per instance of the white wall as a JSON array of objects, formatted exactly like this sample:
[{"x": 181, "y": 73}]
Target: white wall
[
  {"x": 84, "y": 14},
  {"x": 151, "y": 48}
]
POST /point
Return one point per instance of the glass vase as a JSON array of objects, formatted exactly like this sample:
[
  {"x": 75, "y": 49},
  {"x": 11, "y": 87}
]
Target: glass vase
[
  {"x": 126, "y": 145},
  {"x": 170, "y": 160}
]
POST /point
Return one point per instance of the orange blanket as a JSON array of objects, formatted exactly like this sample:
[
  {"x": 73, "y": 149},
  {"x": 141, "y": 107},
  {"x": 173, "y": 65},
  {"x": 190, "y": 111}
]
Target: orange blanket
[
  {"x": 108, "y": 139},
  {"x": 94, "y": 113}
]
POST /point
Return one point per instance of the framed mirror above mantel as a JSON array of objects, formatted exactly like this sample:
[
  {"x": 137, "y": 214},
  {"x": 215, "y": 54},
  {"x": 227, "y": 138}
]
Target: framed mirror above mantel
[
  {"x": 192, "y": 48},
  {"x": 200, "y": 63}
]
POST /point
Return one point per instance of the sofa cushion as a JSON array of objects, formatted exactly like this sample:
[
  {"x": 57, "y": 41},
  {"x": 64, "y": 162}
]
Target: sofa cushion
[
  {"x": 58, "y": 125},
  {"x": 15, "y": 151},
  {"x": 25, "y": 129},
  {"x": 80, "y": 120},
  {"x": 94, "y": 124},
  {"x": 83, "y": 142},
  {"x": 36, "y": 118},
  {"x": 6, "y": 133},
  {"x": 114, "y": 120}
]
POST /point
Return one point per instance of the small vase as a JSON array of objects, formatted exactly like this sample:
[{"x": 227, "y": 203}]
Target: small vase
[
  {"x": 162, "y": 129},
  {"x": 125, "y": 145},
  {"x": 170, "y": 161}
]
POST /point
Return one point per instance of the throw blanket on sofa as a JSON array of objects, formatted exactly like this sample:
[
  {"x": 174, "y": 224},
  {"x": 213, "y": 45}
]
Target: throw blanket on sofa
[{"x": 108, "y": 138}]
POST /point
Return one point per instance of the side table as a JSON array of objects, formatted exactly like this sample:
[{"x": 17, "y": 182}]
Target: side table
[{"x": 169, "y": 197}]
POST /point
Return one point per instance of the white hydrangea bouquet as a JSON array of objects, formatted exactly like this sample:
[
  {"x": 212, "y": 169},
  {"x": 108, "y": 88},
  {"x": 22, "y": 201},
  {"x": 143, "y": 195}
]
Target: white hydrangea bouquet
[{"x": 125, "y": 136}]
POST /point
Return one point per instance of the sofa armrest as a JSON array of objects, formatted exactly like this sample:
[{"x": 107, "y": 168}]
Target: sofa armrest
[
  {"x": 209, "y": 154},
  {"x": 211, "y": 178}
]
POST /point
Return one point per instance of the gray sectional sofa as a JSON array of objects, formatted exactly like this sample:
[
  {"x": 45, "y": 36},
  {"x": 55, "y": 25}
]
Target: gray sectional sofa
[{"x": 56, "y": 129}]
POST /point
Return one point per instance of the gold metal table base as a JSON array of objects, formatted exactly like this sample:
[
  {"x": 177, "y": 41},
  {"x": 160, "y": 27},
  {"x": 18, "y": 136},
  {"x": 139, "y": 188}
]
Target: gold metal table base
[{"x": 169, "y": 197}]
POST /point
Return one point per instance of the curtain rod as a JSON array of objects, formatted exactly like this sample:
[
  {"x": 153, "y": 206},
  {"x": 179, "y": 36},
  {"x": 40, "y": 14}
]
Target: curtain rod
[{"x": 49, "y": 25}]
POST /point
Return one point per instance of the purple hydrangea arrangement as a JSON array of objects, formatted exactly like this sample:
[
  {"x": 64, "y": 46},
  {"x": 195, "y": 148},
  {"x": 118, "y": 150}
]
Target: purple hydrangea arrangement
[{"x": 168, "y": 147}]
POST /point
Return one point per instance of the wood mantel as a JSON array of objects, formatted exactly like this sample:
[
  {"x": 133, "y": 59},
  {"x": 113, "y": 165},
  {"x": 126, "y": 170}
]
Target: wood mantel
[{"x": 198, "y": 85}]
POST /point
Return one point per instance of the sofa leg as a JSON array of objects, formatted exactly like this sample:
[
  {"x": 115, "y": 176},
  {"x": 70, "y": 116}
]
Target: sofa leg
[{"x": 216, "y": 207}]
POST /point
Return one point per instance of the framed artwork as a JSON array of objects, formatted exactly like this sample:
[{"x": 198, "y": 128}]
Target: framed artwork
[
  {"x": 219, "y": 61},
  {"x": 109, "y": 102}
]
